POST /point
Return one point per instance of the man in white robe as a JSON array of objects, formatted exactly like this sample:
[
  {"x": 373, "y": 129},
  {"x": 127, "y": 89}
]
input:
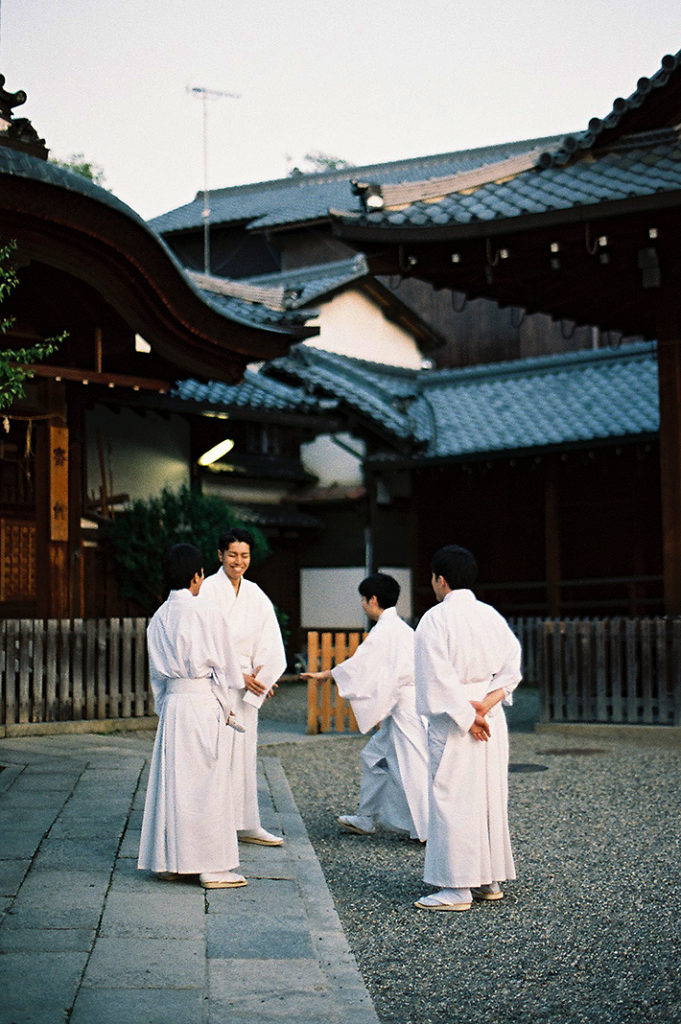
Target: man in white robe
[
  {"x": 378, "y": 680},
  {"x": 467, "y": 665},
  {"x": 257, "y": 637},
  {"x": 188, "y": 825}
]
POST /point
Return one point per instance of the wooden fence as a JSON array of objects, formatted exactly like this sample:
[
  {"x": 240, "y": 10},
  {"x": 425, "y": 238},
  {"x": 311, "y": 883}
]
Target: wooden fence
[
  {"x": 615, "y": 671},
  {"x": 326, "y": 709},
  {"x": 73, "y": 669},
  {"x": 625, "y": 671}
]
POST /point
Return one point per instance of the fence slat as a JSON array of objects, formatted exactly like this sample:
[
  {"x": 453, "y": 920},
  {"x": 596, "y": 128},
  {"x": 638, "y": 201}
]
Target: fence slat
[
  {"x": 102, "y": 662},
  {"x": 647, "y": 711},
  {"x": 662, "y": 671},
  {"x": 25, "y": 656},
  {"x": 37, "y": 692},
  {"x": 90, "y": 668},
  {"x": 632, "y": 671},
  {"x": 126, "y": 668},
  {"x": 142, "y": 697},
  {"x": 77, "y": 694},
  {"x": 601, "y": 671},
  {"x": 616, "y": 677},
  {"x": 312, "y": 688},
  {"x": 51, "y": 708},
  {"x": 11, "y": 709}
]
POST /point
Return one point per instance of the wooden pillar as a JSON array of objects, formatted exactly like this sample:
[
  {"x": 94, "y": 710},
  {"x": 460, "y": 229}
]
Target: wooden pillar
[
  {"x": 552, "y": 537},
  {"x": 669, "y": 368},
  {"x": 52, "y": 506}
]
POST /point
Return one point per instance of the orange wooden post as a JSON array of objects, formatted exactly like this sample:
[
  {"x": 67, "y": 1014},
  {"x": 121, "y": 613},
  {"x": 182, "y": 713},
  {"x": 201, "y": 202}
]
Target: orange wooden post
[
  {"x": 312, "y": 688},
  {"x": 327, "y": 662}
]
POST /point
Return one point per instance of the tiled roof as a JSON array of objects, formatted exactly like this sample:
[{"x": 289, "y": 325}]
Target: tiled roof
[
  {"x": 255, "y": 391},
  {"x": 535, "y": 403},
  {"x": 309, "y": 197},
  {"x": 634, "y": 152},
  {"x": 544, "y": 402},
  {"x": 21, "y": 165},
  {"x": 379, "y": 393},
  {"x": 600, "y": 130},
  {"x": 637, "y": 167},
  {"x": 303, "y": 285}
]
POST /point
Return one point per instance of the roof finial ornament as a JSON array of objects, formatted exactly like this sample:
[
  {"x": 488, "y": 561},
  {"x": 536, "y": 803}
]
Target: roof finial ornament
[{"x": 18, "y": 133}]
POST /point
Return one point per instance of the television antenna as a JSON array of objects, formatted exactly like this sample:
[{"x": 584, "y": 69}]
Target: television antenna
[{"x": 205, "y": 95}]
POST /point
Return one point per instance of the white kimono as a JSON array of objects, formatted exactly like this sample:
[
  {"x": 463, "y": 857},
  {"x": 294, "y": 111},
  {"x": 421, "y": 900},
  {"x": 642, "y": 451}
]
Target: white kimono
[
  {"x": 188, "y": 825},
  {"x": 464, "y": 649},
  {"x": 378, "y": 680},
  {"x": 257, "y": 638}
]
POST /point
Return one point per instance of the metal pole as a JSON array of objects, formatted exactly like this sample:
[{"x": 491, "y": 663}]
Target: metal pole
[{"x": 205, "y": 95}]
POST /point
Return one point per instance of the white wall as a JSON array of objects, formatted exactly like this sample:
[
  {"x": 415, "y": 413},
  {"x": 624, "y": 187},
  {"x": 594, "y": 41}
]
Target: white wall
[
  {"x": 143, "y": 454},
  {"x": 352, "y": 325},
  {"x": 329, "y": 598},
  {"x": 332, "y": 464}
]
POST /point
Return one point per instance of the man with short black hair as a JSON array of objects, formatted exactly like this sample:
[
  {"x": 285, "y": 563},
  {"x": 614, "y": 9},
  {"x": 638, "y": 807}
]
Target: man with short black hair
[
  {"x": 188, "y": 824},
  {"x": 378, "y": 680},
  {"x": 257, "y": 638},
  {"x": 467, "y": 664}
]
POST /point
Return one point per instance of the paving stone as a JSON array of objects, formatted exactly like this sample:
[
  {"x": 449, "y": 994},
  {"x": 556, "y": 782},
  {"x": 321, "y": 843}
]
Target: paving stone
[
  {"x": 166, "y": 915},
  {"x": 52, "y": 940},
  {"x": 279, "y": 990},
  {"x": 146, "y": 963},
  {"x": 80, "y": 853},
  {"x": 43, "y": 994},
  {"x": 260, "y": 934},
  {"x": 12, "y": 874},
  {"x": 140, "y": 1006}
]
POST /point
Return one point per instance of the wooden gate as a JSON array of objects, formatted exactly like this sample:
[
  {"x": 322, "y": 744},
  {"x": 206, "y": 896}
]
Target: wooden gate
[{"x": 326, "y": 709}]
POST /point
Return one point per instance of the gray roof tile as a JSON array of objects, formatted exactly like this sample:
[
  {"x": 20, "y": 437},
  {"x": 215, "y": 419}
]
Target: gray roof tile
[
  {"x": 255, "y": 391},
  {"x": 530, "y": 404},
  {"x": 310, "y": 197}
]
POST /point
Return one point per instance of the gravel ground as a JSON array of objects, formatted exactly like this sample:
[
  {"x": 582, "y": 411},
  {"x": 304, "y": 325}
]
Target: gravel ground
[{"x": 588, "y": 932}]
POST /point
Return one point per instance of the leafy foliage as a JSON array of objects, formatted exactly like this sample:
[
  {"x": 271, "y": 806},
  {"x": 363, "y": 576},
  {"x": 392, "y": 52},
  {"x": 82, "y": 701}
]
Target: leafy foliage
[
  {"x": 317, "y": 161},
  {"x": 13, "y": 370},
  {"x": 140, "y": 535},
  {"x": 79, "y": 165}
]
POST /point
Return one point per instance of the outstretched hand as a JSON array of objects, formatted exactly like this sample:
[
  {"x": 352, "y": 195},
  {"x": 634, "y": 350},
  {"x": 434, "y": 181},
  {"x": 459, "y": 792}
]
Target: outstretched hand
[{"x": 317, "y": 677}]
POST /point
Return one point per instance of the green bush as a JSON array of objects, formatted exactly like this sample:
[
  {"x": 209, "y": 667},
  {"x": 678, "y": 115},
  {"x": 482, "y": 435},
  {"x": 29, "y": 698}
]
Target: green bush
[{"x": 139, "y": 536}]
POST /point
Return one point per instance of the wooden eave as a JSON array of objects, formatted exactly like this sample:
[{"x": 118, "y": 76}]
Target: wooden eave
[
  {"x": 582, "y": 288},
  {"x": 133, "y": 271}
]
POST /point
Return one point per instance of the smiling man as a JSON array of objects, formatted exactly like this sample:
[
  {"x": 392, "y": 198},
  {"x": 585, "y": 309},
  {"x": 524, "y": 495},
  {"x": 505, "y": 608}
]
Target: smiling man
[{"x": 257, "y": 637}]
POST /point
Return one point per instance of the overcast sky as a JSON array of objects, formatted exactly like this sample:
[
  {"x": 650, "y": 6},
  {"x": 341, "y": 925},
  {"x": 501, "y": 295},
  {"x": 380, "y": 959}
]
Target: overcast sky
[{"x": 366, "y": 80}]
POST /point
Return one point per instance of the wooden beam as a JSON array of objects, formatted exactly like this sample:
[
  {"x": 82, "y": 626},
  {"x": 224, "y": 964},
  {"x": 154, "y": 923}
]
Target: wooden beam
[
  {"x": 669, "y": 369},
  {"x": 62, "y": 373}
]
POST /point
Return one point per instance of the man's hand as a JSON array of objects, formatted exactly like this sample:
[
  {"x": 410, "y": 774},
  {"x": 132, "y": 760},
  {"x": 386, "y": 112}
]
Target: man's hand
[
  {"x": 253, "y": 684},
  {"x": 317, "y": 677},
  {"x": 480, "y": 727}
]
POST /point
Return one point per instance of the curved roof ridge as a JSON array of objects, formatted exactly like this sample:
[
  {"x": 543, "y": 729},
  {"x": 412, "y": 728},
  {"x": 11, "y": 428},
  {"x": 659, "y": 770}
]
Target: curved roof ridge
[
  {"x": 542, "y": 364},
  {"x": 597, "y": 127}
]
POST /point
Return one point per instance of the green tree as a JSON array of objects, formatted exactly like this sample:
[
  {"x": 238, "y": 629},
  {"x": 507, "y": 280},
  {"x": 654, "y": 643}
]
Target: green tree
[
  {"x": 79, "y": 165},
  {"x": 316, "y": 161},
  {"x": 13, "y": 369},
  {"x": 139, "y": 536}
]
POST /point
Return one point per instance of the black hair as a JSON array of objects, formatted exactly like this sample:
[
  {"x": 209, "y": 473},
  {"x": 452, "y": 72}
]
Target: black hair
[
  {"x": 181, "y": 563},
  {"x": 236, "y": 534},
  {"x": 384, "y": 588},
  {"x": 457, "y": 565}
]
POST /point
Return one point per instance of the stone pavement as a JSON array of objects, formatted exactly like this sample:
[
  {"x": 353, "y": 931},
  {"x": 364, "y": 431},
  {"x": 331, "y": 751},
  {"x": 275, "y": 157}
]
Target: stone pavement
[{"x": 87, "y": 938}]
